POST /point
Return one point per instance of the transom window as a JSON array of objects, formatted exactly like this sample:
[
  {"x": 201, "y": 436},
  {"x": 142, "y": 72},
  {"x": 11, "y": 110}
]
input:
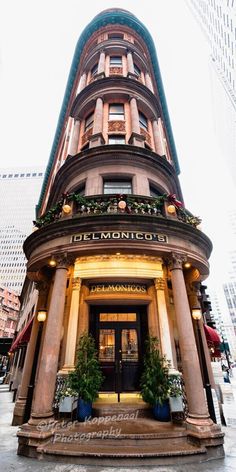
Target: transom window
[
  {"x": 116, "y": 139},
  {"x": 116, "y": 111},
  {"x": 115, "y": 36},
  {"x": 137, "y": 71},
  {"x": 143, "y": 121},
  {"x": 116, "y": 61},
  {"x": 89, "y": 121},
  {"x": 117, "y": 186},
  {"x": 154, "y": 192},
  {"x": 94, "y": 70}
]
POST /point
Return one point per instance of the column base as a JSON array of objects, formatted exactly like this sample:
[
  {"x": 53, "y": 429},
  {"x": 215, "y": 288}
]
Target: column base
[
  {"x": 19, "y": 411},
  {"x": 136, "y": 139},
  {"x": 96, "y": 140},
  {"x": 66, "y": 369},
  {"x": 37, "y": 419}
]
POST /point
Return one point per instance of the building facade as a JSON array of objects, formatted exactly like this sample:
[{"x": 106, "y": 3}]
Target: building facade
[
  {"x": 9, "y": 311},
  {"x": 116, "y": 252},
  {"x": 19, "y": 191}
]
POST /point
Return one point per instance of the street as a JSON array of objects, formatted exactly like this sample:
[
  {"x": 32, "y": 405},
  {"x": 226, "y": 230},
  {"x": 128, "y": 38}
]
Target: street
[{"x": 10, "y": 461}]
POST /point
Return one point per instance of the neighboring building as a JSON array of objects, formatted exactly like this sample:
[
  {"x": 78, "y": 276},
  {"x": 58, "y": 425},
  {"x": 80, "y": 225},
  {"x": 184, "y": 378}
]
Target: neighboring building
[
  {"x": 115, "y": 253},
  {"x": 218, "y": 22},
  {"x": 9, "y": 312},
  {"x": 19, "y": 191}
]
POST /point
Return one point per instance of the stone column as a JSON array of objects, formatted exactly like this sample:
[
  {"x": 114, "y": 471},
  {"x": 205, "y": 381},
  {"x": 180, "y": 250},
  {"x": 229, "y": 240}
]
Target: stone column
[
  {"x": 20, "y": 404},
  {"x": 97, "y": 137},
  {"x": 198, "y": 413},
  {"x": 148, "y": 82},
  {"x": 47, "y": 371},
  {"x": 72, "y": 327},
  {"x": 101, "y": 65},
  {"x": 130, "y": 65},
  {"x": 163, "y": 321},
  {"x": 157, "y": 139},
  {"x": 136, "y": 139},
  {"x": 74, "y": 142}
]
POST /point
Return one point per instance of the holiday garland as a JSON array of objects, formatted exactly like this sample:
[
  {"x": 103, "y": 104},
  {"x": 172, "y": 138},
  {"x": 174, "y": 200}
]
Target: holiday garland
[{"x": 110, "y": 204}]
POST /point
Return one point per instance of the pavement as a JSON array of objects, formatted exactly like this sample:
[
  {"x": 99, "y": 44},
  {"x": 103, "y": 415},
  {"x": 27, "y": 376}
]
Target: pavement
[{"x": 10, "y": 461}]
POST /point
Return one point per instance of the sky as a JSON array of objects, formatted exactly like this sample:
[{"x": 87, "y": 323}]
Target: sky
[{"x": 37, "y": 43}]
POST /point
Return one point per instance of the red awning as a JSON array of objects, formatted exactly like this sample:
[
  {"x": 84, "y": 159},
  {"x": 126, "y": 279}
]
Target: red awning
[
  {"x": 212, "y": 335},
  {"x": 23, "y": 336}
]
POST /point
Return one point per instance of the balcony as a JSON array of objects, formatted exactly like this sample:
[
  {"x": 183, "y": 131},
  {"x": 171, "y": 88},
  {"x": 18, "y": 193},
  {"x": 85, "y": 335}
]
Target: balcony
[{"x": 75, "y": 205}]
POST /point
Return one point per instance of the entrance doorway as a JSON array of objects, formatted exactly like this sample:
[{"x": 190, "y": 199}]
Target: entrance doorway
[{"x": 120, "y": 334}]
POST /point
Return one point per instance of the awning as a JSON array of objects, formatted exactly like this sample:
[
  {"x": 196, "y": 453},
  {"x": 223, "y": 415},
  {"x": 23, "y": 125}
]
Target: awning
[
  {"x": 211, "y": 335},
  {"x": 23, "y": 337}
]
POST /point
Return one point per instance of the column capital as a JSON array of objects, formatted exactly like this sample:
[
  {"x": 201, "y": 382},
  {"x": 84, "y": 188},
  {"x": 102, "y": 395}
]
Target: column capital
[
  {"x": 63, "y": 260},
  {"x": 176, "y": 260},
  {"x": 159, "y": 283},
  {"x": 76, "y": 283},
  {"x": 42, "y": 286}
]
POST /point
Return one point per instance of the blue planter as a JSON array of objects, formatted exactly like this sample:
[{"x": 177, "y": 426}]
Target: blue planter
[
  {"x": 84, "y": 410},
  {"x": 162, "y": 412}
]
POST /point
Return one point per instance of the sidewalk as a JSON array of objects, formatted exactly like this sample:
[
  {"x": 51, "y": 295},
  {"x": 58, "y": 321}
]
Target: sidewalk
[{"x": 11, "y": 462}]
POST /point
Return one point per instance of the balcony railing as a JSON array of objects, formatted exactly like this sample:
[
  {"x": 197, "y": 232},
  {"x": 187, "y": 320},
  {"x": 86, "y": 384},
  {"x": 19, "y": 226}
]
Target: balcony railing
[{"x": 163, "y": 206}]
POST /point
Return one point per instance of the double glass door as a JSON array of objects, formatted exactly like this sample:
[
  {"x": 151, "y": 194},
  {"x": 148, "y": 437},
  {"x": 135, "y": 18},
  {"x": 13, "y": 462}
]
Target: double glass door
[{"x": 119, "y": 350}]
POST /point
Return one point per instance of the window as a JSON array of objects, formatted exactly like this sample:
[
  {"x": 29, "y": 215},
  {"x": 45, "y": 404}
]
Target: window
[
  {"x": 143, "y": 121},
  {"x": 94, "y": 70},
  {"x": 115, "y": 36},
  {"x": 116, "y": 61},
  {"x": 116, "y": 139},
  {"x": 116, "y": 112},
  {"x": 117, "y": 186},
  {"x": 137, "y": 71},
  {"x": 89, "y": 121},
  {"x": 154, "y": 192},
  {"x": 81, "y": 189}
]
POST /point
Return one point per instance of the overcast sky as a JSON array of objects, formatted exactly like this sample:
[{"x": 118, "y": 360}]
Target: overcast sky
[{"x": 37, "y": 41}]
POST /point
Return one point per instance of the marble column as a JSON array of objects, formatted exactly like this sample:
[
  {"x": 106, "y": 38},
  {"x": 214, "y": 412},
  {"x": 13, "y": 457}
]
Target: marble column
[
  {"x": 101, "y": 64},
  {"x": 47, "y": 371},
  {"x": 97, "y": 137},
  {"x": 130, "y": 65},
  {"x": 74, "y": 142},
  {"x": 136, "y": 138},
  {"x": 157, "y": 139},
  {"x": 82, "y": 82},
  {"x": 148, "y": 82},
  {"x": 20, "y": 404},
  {"x": 71, "y": 341},
  {"x": 163, "y": 321},
  {"x": 198, "y": 412}
]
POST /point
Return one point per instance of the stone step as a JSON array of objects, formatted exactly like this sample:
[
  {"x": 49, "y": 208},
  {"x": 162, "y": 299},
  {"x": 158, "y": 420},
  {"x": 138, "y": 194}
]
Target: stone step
[{"x": 140, "y": 409}]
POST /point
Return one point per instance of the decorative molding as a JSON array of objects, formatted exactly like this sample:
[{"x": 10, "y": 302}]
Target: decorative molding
[
  {"x": 86, "y": 136},
  {"x": 146, "y": 135},
  {"x": 176, "y": 261},
  {"x": 116, "y": 71},
  {"x": 117, "y": 126},
  {"x": 76, "y": 283},
  {"x": 159, "y": 283},
  {"x": 63, "y": 261}
]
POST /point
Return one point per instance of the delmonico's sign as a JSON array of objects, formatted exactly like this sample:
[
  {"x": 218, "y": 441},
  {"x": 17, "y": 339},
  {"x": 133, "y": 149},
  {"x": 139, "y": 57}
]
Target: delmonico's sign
[
  {"x": 126, "y": 235},
  {"x": 117, "y": 287}
]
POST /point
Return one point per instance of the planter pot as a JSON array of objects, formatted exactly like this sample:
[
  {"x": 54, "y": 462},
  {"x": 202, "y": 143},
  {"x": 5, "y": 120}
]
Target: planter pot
[
  {"x": 67, "y": 404},
  {"x": 162, "y": 412},
  {"x": 84, "y": 410},
  {"x": 176, "y": 404}
]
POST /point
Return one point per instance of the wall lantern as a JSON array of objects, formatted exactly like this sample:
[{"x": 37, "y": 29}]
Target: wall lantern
[
  {"x": 52, "y": 262},
  {"x": 187, "y": 265},
  {"x": 171, "y": 209},
  {"x": 196, "y": 313},
  {"x": 42, "y": 315}
]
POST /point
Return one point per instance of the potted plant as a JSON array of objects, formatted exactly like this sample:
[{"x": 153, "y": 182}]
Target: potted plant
[
  {"x": 87, "y": 377},
  {"x": 175, "y": 394},
  {"x": 67, "y": 399},
  {"x": 155, "y": 383}
]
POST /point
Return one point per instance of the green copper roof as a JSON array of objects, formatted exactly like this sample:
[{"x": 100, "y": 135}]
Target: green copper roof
[{"x": 112, "y": 16}]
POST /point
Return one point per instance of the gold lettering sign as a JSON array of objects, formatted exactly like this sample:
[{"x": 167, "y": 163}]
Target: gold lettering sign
[
  {"x": 111, "y": 288},
  {"x": 138, "y": 236}
]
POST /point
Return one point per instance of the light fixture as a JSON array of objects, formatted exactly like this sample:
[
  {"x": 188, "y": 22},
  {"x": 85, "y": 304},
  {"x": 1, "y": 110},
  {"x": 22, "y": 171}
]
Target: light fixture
[
  {"x": 122, "y": 204},
  {"x": 67, "y": 209},
  {"x": 41, "y": 316},
  {"x": 196, "y": 313},
  {"x": 118, "y": 253},
  {"x": 52, "y": 262},
  {"x": 171, "y": 209},
  {"x": 187, "y": 265}
]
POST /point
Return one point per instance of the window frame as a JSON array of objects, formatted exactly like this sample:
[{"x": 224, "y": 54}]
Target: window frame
[
  {"x": 117, "y": 190},
  {"x": 115, "y": 64},
  {"x": 143, "y": 123},
  {"x": 119, "y": 116},
  {"x": 119, "y": 137},
  {"x": 90, "y": 124}
]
